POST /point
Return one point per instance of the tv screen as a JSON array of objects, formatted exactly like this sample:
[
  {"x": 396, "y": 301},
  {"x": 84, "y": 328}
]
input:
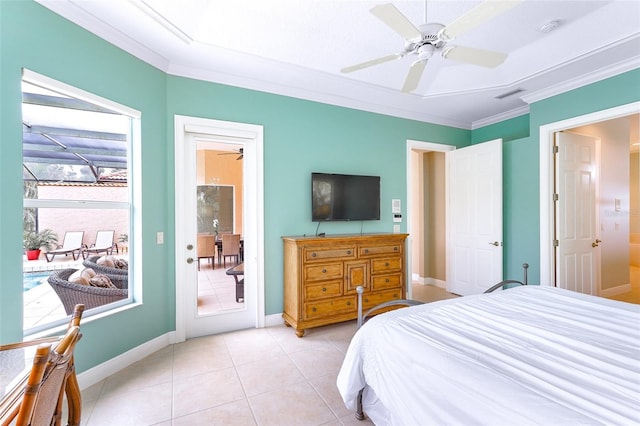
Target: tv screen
[{"x": 344, "y": 197}]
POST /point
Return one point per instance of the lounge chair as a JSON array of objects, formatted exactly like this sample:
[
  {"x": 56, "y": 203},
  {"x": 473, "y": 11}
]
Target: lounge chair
[
  {"x": 104, "y": 243},
  {"x": 72, "y": 244},
  {"x": 91, "y": 297}
]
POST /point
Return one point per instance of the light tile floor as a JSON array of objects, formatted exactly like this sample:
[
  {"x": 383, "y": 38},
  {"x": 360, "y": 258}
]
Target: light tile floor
[{"x": 251, "y": 377}]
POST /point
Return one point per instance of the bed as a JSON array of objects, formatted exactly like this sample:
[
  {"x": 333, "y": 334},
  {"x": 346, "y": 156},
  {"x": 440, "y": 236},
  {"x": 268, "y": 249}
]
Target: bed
[{"x": 526, "y": 355}]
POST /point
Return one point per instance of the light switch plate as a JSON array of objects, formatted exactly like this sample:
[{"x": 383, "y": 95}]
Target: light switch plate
[
  {"x": 396, "y": 229},
  {"x": 160, "y": 238}
]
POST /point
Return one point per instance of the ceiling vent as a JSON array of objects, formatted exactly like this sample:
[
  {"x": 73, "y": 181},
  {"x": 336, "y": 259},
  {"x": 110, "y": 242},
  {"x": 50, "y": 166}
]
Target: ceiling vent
[{"x": 511, "y": 93}]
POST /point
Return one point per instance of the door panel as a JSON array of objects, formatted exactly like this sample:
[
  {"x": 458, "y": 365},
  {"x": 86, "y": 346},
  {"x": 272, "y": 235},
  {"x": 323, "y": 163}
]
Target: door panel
[
  {"x": 474, "y": 211},
  {"x": 578, "y": 252}
]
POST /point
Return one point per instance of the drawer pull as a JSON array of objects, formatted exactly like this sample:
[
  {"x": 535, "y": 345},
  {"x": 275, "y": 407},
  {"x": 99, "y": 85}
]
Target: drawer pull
[
  {"x": 366, "y": 250},
  {"x": 324, "y": 289},
  {"x": 313, "y": 309},
  {"x": 348, "y": 251},
  {"x": 395, "y": 295},
  {"x": 313, "y": 255},
  {"x": 324, "y": 270},
  {"x": 395, "y": 249},
  {"x": 386, "y": 263},
  {"x": 348, "y": 303},
  {"x": 386, "y": 280},
  {"x": 366, "y": 300}
]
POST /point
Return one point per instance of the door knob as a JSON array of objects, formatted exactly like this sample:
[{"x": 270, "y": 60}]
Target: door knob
[
  {"x": 596, "y": 244},
  {"x": 189, "y": 246},
  {"x": 189, "y": 260},
  {"x": 495, "y": 243}
]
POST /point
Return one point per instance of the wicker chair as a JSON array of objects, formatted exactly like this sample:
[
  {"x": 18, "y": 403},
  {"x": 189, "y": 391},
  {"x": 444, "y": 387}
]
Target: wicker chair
[
  {"x": 71, "y": 293},
  {"x": 90, "y": 262}
]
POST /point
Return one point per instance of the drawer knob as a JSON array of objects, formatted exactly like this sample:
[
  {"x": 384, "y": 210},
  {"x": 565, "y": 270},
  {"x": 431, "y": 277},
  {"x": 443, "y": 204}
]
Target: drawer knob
[
  {"x": 324, "y": 289},
  {"x": 313, "y": 255},
  {"x": 366, "y": 250},
  {"x": 348, "y": 251},
  {"x": 395, "y": 295},
  {"x": 324, "y": 270},
  {"x": 348, "y": 303},
  {"x": 366, "y": 300},
  {"x": 313, "y": 309},
  {"x": 386, "y": 263},
  {"x": 395, "y": 249},
  {"x": 386, "y": 280}
]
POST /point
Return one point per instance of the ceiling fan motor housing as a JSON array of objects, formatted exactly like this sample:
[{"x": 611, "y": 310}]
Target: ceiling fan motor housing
[{"x": 429, "y": 35}]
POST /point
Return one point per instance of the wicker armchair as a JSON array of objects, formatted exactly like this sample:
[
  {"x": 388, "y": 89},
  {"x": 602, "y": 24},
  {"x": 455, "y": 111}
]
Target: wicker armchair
[
  {"x": 71, "y": 293},
  {"x": 90, "y": 262}
]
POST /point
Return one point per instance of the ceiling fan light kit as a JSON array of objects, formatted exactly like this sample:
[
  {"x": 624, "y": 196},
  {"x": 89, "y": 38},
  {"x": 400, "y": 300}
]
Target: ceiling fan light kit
[{"x": 425, "y": 40}]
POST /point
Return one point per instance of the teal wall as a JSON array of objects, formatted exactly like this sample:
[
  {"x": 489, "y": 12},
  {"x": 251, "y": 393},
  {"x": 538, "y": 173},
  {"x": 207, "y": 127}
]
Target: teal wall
[{"x": 300, "y": 137}]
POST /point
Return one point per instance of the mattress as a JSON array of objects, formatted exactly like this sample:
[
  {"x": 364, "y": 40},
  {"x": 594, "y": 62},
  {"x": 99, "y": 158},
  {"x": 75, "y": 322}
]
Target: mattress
[{"x": 527, "y": 355}]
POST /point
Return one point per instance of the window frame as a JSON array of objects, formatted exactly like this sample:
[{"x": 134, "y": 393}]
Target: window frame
[{"x": 134, "y": 193}]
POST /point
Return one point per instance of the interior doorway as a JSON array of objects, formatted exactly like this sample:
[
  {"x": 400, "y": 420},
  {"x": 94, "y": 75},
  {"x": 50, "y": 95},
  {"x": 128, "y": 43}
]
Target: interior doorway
[{"x": 617, "y": 216}]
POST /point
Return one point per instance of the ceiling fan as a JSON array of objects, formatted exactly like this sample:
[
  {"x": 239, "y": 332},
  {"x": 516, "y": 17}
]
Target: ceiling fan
[
  {"x": 427, "y": 39},
  {"x": 239, "y": 153}
]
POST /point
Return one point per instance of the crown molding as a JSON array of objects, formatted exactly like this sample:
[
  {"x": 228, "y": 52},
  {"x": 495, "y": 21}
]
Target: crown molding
[
  {"x": 594, "y": 77},
  {"x": 517, "y": 112}
]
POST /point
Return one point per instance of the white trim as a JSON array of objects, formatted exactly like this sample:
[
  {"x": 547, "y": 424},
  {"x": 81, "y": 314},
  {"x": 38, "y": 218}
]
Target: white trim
[
  {"x": 74, "y": 204},
  {"x": 594, "y": 77},
  {"x": 414, "y": 145},
  {"x": 500, "y": 117},
  {"x": 63, "y": 88},
  {"x": 184, "y": 126},
  {"x": 546, "y": 177},
  {"x": 100, "y": 372}
]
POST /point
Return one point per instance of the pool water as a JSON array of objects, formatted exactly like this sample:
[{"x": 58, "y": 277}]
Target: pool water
[{"x": 33, "y": 279}]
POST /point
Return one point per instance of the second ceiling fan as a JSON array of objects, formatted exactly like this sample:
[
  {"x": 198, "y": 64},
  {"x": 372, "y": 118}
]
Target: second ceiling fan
[{"x": 429, "y": 38}]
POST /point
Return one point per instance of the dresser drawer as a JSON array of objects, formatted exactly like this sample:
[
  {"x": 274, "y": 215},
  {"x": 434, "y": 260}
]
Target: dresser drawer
[
  {"x": 381, "y": 282},
  {"x": 387, "y": 264},
  {"x": 328, "y": 308},
  {"x": 326, "y": 271},
  {"x": 375, "y": 298},
  {"x": 323, "y": 290},
  {"x": 328, "y": 253},
  {"x": 378, "y": 250}
]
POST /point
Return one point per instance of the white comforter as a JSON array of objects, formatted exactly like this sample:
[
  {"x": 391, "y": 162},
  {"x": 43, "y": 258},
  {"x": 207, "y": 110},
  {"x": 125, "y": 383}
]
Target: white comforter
[{"x": 528, "y": 355}]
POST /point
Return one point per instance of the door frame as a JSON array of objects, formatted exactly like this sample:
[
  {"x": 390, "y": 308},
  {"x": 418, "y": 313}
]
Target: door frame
[
  {"x": 546, "y": 137},
  {"x": 421, "y": 146},
  {"x": 231, "y": 131}
]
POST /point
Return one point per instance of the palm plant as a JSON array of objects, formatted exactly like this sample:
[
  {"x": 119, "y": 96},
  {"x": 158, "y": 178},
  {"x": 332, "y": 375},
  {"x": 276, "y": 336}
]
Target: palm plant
[{"x": 36, "y": 240}]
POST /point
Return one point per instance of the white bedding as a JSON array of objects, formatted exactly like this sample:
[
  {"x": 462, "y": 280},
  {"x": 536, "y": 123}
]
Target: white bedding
[{"x": 527, "y": 355}]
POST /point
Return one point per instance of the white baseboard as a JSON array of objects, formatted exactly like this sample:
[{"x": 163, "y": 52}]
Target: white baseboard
[
  {"x": 614, "y": 291},
  {"x": 100, "y": 372},
  {"x": 273, "y": 320},
  {"x": 428, "y": 281}
]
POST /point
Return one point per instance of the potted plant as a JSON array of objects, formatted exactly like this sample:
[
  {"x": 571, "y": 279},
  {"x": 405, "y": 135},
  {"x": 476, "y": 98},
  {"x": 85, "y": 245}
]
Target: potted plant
[
  {"x": 34, "y": 241},
  {"x": 123, "y": 239}
]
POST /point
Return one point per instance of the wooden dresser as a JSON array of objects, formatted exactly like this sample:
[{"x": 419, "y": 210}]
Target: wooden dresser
[{"x": 321, "y": 275}]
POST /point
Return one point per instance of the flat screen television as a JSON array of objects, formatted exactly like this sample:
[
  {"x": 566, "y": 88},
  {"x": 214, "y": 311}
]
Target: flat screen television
[{"x": 344, "y": 197}]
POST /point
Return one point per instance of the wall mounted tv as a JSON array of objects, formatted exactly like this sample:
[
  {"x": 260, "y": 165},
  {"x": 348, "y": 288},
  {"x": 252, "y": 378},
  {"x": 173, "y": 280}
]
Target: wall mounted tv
[{"x": 344, "y": 197}]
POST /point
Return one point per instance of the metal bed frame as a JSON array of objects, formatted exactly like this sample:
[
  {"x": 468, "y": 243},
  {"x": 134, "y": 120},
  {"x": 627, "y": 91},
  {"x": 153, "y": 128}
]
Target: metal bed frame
[{"x": 359, "y": 414}]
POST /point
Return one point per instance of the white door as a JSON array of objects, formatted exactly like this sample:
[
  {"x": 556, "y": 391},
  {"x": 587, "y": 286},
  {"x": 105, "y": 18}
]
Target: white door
[
  {"x": 578, "y": 250},
  {"x": 192, "y": 135},
  {"x": 474, "y": 215}
]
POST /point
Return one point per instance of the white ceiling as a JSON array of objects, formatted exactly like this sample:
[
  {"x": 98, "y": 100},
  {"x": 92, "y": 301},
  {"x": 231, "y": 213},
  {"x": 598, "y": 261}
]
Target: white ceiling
[{"x": 297, "y": 48}]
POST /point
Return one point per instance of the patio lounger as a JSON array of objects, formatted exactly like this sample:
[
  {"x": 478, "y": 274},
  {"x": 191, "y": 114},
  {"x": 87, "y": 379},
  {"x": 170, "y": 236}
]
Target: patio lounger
[
  {"x": 72, "y": 244},
  {"x": 104, "y": 243}
]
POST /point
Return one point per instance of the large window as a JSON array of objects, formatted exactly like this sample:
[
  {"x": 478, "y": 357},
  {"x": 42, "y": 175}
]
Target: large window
[{"x": 78, "y": 186}]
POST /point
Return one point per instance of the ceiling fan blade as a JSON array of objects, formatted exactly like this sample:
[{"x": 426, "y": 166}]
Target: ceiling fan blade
[
  {"x": 413, "y": 77},
  {"x": 371, "y": 63},
  {"x": 476, "y": 16},
  {"x": 471, "y": 55},
  {"x": 399, "y": 23}
]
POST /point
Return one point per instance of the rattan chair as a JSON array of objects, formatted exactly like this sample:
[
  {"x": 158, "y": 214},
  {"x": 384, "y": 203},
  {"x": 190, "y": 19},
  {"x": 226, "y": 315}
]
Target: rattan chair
[
  {"x": 38, "y": 398},
  {"x": 72, "y": 293},
  {"x": 101, "y": 269}
]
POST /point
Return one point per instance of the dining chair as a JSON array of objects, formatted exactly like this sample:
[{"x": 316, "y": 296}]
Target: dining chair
[
  {"x": 230, "y": 247},
  {"x": 206, "y": 247}
]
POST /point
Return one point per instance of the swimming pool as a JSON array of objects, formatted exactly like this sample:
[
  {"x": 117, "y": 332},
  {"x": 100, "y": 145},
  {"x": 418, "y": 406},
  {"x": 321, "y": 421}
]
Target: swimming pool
[{"x": 33, "y": 279}]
